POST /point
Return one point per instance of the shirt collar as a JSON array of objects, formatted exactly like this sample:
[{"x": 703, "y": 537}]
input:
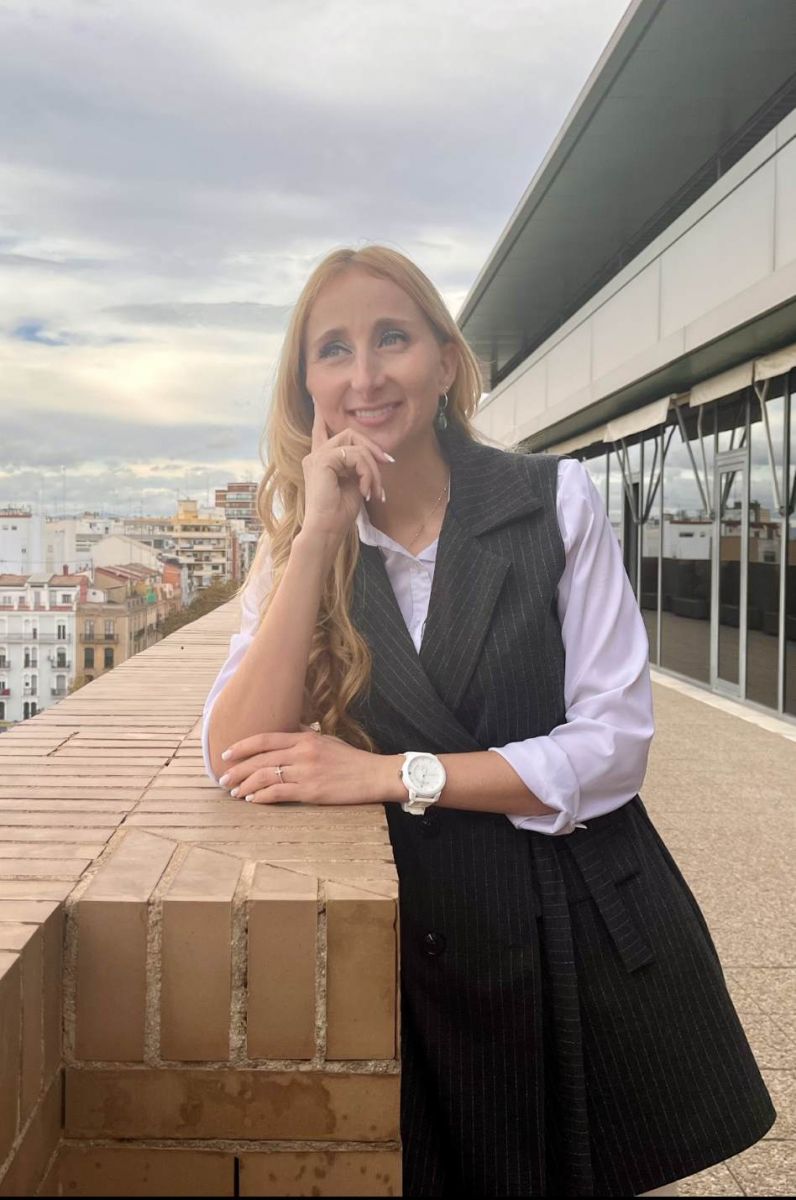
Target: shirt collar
[{"x": 371, "y": 536}]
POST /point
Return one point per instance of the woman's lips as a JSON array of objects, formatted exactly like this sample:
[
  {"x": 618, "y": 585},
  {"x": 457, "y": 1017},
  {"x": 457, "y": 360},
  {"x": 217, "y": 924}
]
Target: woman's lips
[{"x": 376, "y": 416}]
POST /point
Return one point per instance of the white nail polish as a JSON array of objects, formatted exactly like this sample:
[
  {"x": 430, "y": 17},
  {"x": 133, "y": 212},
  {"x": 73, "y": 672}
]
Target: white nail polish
[
  {"x": 249, "y": 799},
  {"x": 223, "y": 779},
  {"x": 234, "y": 792}
]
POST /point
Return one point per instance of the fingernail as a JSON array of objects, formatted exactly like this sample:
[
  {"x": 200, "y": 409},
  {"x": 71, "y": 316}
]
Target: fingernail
[
  {"x": 383, "y": 497},
  {"x": 368, "y": 497},
  {"x": 389, "y": 456},
  {"x": 226, "y": 754},
  {"x": 224, "y": 779},
  {"x": 234, "y": 792},
  {"x": 249, "y": 798}
]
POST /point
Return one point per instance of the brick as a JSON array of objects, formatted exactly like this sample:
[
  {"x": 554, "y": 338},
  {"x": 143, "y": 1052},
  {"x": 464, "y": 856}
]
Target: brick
[
  {"x": 35, "y": 889},
  {"x": 321, "y": 1173},
  {"x": 52, "y": 963},
  {"x": 37, "y": 1145},
  {"x": 33, "y": 911},
  {"x": 43, "y": 868},
  {"x": 111, "y": 980},
  {"x": 361, "y": 973},
  {"x": 10, "y": 1060},
  {"x": 143, "y": 1171},
  {"x": 196, "y": 970},
  {"x": 281, "y": 955},
  {"x": 32, "y": 999},
  {"x": 29, "y": 850},
  {"x": 133, "y": 869},
  {"x": 45, "y": 833},
  {"x": 197, "y": 1103}
]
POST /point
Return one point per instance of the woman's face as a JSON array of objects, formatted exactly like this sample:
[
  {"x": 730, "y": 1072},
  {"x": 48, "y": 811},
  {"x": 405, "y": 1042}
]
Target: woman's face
[{"x": 368, "y": 346}]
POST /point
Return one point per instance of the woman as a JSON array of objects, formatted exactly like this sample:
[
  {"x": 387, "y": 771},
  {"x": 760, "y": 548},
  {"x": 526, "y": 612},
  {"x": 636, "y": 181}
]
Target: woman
[{"x": 565, "y": 1024}]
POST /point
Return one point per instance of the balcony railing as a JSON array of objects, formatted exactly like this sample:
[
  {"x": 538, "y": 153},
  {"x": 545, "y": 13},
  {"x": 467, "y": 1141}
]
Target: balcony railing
[
  {"x": 36, "y": 636},
  {"x": 54, "y": 691}
]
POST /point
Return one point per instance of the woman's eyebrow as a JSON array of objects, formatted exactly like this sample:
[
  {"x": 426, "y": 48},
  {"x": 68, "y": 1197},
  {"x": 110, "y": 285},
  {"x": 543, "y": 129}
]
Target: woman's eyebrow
[{"x": 379, "y": 324}]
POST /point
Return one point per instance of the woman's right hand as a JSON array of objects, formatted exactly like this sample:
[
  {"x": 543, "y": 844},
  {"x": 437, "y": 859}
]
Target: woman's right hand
[{"x": 334, "y": 489}]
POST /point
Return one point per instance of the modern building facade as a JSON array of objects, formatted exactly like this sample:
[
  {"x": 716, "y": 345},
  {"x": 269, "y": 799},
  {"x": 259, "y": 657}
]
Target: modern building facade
[{"x": 639, "y": 313}]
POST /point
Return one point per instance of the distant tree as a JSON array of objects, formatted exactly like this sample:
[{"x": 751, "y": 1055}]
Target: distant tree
[{"x": 203, "y": 602}]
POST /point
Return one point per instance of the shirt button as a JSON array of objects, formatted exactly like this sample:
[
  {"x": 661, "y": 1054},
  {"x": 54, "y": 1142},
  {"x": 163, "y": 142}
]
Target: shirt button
[{"x": 433, "y": 943}]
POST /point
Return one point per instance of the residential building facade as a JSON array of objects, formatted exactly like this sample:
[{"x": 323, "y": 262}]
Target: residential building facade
[{"x": 37, "y": 641}]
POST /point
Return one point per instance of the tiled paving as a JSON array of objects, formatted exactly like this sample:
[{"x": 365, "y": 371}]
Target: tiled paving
[{"x": 721, "y": 789}]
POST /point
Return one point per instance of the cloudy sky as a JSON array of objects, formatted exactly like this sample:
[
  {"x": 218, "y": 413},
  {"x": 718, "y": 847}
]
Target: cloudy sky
[{"x": 170, "y": 173}]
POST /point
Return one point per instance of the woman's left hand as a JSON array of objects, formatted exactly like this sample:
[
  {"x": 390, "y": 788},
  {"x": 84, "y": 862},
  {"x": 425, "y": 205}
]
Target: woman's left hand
[{"x": 317, "y": 768}]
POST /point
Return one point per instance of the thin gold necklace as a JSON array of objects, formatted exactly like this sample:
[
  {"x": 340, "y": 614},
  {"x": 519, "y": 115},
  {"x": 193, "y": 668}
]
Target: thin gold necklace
[{"x": 425, "y": 522}]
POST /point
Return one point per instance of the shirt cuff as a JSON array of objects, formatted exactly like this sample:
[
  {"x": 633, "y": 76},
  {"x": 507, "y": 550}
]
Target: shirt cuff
[
  {"x": 205, "y": 737},
  {"x": 545, "y": 769}
]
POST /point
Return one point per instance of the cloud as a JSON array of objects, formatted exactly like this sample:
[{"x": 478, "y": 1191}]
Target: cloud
[{"x": 170, "y": 174}]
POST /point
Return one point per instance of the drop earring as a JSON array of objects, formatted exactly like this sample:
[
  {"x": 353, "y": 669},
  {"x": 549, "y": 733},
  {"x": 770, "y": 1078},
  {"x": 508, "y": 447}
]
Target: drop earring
[{"x": 441, "y": 420}]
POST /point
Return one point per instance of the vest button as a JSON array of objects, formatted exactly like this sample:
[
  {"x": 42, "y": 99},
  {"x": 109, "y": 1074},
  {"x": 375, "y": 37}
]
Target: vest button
[
  {"x": 433, "y": 943},
  {"x": 429, "y": 824}
]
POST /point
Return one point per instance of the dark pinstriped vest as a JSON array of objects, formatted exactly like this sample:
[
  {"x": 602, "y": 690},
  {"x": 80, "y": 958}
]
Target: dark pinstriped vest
[
  {"x": 491, "y": 664},
  {"x": 520, "y": 1075},
  {"x": 490, "y": 670}
]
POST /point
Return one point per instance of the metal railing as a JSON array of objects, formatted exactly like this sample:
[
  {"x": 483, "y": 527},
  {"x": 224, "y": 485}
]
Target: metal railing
[{"x": 35, "y": 637}]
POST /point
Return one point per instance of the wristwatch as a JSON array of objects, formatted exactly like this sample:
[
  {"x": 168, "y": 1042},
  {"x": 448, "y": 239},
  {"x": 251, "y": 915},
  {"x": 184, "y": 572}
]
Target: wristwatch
[{"x": 424, "y": 777}]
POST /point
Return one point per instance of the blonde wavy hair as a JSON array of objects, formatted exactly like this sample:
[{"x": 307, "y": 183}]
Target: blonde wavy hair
[{"x": 339, "y": 664}]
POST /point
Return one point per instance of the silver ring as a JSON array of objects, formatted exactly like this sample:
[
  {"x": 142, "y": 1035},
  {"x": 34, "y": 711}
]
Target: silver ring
[
  {"x": 279, "y": 773},
  {"x": 342, "y": 451}
]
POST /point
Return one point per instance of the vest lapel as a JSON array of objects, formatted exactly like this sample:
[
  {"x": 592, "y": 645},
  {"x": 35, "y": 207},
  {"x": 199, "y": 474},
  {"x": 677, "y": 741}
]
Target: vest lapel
[{"x": 489, "y": 488}]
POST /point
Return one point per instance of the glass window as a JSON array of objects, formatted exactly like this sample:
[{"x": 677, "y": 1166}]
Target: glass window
[
  {"x": 687, "y": 533},
  {"x": 616, "y": 501},
  {"x": 790, "y": 575},
  {"x": 108, "y": 656},
  {"x": 88, "y": 656},
  {"x": 650, "y": 534},
  {"x": 597, "y": 466},
  {"x": 766, "y": 483}
]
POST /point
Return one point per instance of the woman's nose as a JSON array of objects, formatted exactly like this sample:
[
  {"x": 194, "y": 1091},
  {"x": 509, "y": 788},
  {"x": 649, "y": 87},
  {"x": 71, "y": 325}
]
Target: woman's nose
[{"x": 366, "y": 371}]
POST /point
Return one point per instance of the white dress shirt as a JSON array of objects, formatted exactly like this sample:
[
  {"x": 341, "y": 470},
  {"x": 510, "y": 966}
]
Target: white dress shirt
[{"x": 596, "y": 760}]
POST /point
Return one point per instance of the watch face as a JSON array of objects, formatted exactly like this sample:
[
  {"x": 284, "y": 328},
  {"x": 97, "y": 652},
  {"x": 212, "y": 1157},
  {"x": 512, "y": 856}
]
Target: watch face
[{"x": 426, "y": 775}]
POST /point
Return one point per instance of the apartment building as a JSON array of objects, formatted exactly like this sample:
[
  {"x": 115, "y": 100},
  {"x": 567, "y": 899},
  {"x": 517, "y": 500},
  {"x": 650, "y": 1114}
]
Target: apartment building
[
  {"x": 203, "y": 544},
  {"x": 136, "y": 599},
  {"x": 22, "y": 541},
  {"x": 37, "y": 640}
]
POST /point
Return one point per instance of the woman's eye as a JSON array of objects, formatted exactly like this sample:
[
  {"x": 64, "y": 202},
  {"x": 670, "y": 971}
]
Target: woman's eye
[{"x": 328, "y": 349}]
